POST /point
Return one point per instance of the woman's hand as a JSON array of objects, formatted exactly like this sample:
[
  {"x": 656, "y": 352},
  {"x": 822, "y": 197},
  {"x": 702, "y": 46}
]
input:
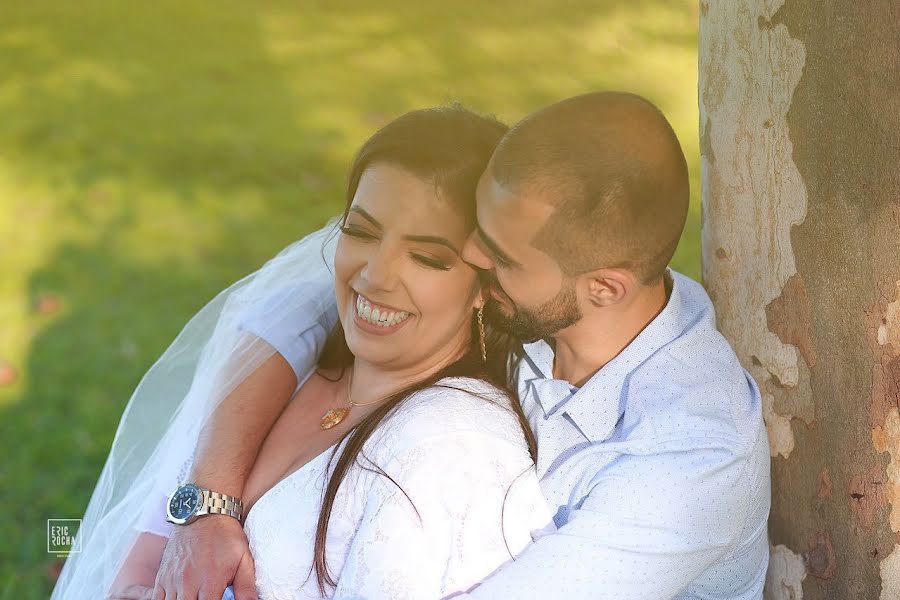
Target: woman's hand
[
  {"x": 132, "y": 592},
  {"x": 203, "y": 558},
  {"x": 135, "y": 578}
]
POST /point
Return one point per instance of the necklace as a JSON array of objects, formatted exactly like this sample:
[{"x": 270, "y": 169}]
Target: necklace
[{"x": 336, "y": 415}]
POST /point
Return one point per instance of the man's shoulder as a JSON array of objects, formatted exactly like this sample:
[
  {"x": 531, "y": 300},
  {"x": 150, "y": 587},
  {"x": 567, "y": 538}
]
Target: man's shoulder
[
  {"x": 696, "y": 387},
  {"x": 696, "y": 360}
]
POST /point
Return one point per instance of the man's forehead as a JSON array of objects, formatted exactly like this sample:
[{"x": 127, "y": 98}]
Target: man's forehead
[{"x": 515, "y": 210}]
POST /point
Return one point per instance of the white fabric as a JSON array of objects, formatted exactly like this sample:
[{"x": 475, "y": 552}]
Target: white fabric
[
  {"x": 458, "y": 459},
  {"x": 164, "y": 416}
]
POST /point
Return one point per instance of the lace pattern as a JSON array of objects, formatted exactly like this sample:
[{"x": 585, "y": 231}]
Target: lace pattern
[{"x": 467, "y": 500}]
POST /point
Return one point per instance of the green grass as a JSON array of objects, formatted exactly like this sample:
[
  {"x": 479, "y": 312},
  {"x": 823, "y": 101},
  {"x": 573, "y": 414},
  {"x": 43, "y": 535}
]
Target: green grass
[{"x": 152, "y": 153}]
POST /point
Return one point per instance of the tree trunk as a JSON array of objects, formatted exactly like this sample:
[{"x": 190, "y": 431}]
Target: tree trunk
[{"x": 800, "y": 144}]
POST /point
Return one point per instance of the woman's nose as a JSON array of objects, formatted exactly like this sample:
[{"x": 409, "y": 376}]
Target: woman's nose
[{"x": 381, "y": 269}]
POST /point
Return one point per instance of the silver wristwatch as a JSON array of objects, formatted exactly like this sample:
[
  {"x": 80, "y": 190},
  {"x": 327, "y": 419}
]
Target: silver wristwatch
[{"x": 190, "y": 501}]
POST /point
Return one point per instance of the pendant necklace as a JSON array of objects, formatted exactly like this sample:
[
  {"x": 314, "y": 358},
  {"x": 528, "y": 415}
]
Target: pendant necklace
[{"x": 336, "y": 415}]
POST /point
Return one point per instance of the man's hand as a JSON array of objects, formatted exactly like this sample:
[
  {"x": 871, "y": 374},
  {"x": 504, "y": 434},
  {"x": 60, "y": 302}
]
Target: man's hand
[{"x": 202, "y": 558}]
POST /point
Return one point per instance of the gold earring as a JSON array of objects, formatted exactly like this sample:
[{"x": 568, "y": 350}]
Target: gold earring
[{"x": 481, "y": 333}]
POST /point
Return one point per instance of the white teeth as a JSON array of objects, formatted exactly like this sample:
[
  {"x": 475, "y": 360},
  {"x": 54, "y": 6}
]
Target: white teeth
[{"x": 377, "y": 316}]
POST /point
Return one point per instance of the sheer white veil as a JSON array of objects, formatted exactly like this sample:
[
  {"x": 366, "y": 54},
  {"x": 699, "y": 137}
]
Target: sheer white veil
[{"x": 173, "y": 401}]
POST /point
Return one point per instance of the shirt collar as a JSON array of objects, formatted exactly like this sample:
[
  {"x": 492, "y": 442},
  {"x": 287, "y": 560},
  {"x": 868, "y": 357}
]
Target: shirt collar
[{"x": 598, "y": 405}]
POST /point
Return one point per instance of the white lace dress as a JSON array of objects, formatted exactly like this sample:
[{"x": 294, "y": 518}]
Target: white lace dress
[{"x": 464, "y": 500}]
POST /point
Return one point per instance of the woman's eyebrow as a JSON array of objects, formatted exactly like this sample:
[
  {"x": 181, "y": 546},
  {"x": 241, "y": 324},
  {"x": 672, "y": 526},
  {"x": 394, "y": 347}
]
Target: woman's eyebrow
[
  {"x": 364, "y": 214},
  {"x": 432, "y": 239}
]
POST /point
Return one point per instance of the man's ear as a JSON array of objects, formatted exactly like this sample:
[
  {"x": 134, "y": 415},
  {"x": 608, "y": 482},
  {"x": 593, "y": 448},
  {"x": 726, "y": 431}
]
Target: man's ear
[{"x": 606, "y": 287}]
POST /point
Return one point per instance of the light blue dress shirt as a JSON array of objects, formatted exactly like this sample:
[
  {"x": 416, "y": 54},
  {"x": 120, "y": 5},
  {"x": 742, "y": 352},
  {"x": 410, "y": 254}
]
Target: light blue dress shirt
[{"x": 657, "y": 468}]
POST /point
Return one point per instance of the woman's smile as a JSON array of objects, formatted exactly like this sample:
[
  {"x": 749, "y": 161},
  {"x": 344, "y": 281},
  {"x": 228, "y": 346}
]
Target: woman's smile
[{"x": 378, "y": 318}]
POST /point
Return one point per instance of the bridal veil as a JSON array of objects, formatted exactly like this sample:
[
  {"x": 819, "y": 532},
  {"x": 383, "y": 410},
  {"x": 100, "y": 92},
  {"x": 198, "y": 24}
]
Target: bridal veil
[{"x": 162, "y": 420}]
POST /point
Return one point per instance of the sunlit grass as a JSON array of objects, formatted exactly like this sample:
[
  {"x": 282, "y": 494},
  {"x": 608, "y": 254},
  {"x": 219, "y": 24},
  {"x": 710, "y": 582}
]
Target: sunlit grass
[{"x": 152, "y": 153}]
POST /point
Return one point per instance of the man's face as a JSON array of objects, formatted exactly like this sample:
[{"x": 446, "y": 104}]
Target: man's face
[{"x": 529, "y": 295}]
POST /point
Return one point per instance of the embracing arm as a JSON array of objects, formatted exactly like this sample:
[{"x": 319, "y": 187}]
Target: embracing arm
[
  {"x": 226, "y": 452},
  {"x": 646, "y": 530},
  {"x": 213, "y": 551},
  {"x": 204, "y": 557},
  {"x": 229, "y": 443}
]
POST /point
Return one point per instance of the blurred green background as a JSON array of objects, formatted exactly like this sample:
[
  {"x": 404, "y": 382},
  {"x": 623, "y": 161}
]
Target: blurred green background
[{"x": 153, "y": 153}]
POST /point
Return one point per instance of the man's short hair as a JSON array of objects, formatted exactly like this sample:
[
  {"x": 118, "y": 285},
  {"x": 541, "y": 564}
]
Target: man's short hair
[{"x": 612, "y": 168}]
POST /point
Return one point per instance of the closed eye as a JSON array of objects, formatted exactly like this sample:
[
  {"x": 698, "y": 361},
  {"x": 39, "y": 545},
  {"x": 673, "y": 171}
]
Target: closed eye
[
  {"x": 363, "y": 235},
  {"x": 489, "y": 247},
  {"x": 356, "y": 233},
  {"x": 430, "y": 262},
  {"x": 499, "y": 261}
]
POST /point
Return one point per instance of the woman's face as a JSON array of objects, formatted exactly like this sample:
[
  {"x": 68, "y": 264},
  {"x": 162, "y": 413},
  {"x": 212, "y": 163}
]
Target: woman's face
[{"x": 404, "y": 295}]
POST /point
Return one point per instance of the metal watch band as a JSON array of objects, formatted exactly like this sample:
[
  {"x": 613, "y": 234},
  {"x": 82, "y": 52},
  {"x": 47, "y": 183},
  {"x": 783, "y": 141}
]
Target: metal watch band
[{"x": 222, "y": 504}]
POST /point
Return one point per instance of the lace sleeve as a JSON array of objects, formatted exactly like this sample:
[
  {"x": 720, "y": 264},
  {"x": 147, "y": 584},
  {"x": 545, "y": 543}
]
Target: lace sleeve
[{"x": 464, "y": 503}]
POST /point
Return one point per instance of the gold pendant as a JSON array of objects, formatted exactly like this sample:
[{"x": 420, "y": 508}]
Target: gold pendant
[{"x": 333, "y": 417}]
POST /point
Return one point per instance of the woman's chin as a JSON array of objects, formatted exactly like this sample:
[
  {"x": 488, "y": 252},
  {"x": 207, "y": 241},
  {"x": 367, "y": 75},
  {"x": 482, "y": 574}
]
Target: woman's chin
[{"x": 371, "y": 352}]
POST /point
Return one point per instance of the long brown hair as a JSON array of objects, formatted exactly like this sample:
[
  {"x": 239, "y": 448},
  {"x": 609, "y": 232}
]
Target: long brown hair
[{"x": 449, "y": 146}]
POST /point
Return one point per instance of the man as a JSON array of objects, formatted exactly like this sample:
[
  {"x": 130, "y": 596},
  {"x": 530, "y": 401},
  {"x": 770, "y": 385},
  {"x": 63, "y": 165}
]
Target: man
[{"x": 651, "y": 446}]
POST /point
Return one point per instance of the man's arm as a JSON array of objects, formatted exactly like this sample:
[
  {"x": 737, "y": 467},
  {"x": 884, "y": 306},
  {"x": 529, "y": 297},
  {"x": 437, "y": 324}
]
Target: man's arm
[
  {"x": 229, "y": 443},
  {"x": 649, "y": 526},
  {"x": 202, "y": 558}
]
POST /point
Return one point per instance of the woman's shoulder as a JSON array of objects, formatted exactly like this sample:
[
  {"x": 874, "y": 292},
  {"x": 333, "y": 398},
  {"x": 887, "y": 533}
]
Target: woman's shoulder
[
  {"x": 461, "y": 403},
  {"x": 452, "y": 409}
]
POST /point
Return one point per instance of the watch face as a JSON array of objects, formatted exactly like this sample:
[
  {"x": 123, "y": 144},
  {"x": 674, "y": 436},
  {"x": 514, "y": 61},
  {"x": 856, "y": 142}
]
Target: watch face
[{"x": 185, "y": 502}]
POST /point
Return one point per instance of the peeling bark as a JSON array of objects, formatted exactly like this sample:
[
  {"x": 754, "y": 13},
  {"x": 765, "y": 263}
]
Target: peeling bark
[
  {"x": 788, "y": 317},
  {"x": 886, "y": 438},
  {"x": 820, "y": 560},
  {"x": 800, "y": 155},
  {"x": 890, "y": 575},
  {"x": 826, "y": 488},
  {"x": 867, "y": 495},
  {"x": 889, "y": 327},
  {"x": 751, "y": 187},
  {"x": 784, "y": 580}
]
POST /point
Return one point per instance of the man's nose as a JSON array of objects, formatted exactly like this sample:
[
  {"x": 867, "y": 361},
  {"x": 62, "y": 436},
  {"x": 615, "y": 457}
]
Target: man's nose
[{"x": 473, "y": 254}]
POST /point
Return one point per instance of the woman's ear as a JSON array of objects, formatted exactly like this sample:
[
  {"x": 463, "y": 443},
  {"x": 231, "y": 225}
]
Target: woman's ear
[
  {"x": 606, "y": 287},
  {"x": 479, "y": 301}
]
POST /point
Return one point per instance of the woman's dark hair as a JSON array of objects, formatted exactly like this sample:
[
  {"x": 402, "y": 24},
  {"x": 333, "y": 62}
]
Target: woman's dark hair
[{"x": 449, "y": 146}]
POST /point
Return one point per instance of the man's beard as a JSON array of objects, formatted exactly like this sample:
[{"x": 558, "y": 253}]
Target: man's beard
[{"x": 543, "y": 322}]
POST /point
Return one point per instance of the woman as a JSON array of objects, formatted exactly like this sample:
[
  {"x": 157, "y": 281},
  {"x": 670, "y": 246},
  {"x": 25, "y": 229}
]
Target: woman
[{"x": 403, "y": 466}]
